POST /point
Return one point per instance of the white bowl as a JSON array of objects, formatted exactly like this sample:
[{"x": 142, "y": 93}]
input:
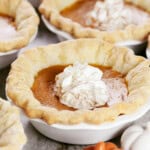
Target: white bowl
[
  {"x": 7, "y": 58},
  {"x": 82, "y": 134},
  {"x": 86, "y": 133},
  {"x": 148, "y": 53},
  {"x": 137, "y": 46},
  {"x": 35, "y": 3},
  {"x": 62, "y": 35}
]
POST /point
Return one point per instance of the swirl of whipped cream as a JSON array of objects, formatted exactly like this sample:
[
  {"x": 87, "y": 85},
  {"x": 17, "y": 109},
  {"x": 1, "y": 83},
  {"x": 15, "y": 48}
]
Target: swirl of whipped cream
[
  {"x": 80, "y": 86},
  {"x": 114, "y": 14}
]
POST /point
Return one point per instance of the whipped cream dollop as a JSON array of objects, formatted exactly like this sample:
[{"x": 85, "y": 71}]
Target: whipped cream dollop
[
  {"x": 7, "y": 31},
  {"x": 114, "y": 14},
  {"x": 80, "y": 86}
]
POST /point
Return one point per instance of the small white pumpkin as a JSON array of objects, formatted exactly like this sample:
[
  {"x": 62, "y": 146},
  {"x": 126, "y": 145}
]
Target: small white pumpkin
[{"x": 136, "y": 138}]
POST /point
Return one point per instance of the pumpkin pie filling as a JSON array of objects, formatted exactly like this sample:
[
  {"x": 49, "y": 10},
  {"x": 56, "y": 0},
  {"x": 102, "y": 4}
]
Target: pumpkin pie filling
[
  {"x": 45, "y": 82},
  {"x": 105, "y": 15},
  {"x": 75, "y": 12}
]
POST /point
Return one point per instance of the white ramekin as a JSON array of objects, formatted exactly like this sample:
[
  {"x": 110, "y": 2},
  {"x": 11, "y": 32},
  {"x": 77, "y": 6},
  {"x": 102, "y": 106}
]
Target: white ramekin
[
  {"x": 83, "y": 133},
  {"x": 148, "y": 52},
  {"x": 137, "y": 46},
  {"x": 7, "y": 58},
  {"x": 35, "y": 3},
  {"x": 86, "y": 133}
]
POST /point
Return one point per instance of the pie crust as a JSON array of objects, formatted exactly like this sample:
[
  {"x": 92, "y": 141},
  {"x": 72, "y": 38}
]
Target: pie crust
[
  {"x": 135, "y": 68},
  {"x": 26, "y": 22},
  {"x": 12, "y": 135},
  {"x": 51, "y": 10}
]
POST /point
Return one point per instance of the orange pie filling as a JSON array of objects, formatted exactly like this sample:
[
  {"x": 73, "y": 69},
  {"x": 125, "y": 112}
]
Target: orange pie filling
[
  {"x": 79, "y": 86},
  {"x": 7, "y": 28},
  {"x": 105, "y": 15}
]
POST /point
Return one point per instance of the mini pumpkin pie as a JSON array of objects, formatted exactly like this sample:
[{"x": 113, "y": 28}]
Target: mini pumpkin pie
[
  {"x": 113, "y": 21},
  {"x": 84, "y": 80},
  {"x": 12, "y": 135},
  {"x": 18, "y": 24}
]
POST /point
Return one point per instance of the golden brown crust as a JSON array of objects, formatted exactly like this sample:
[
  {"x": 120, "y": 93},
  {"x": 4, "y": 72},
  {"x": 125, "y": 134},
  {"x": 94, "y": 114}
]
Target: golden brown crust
[
  {"x": 26, "y": 21},
  {"x": 131, "y": 32},
  {"x": 93, "y": 51},
  {"x": 12, "y": 136},
  {"x": 141, "y": 3}
]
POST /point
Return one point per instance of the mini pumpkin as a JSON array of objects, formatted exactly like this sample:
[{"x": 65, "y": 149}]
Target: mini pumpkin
[
  {"x": 136, "y": 138},
  {"x": 103, "y": 146}
]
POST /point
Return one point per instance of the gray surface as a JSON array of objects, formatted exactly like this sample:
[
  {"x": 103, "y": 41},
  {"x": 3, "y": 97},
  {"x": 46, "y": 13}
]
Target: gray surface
[{"x": 36, "y": 141}]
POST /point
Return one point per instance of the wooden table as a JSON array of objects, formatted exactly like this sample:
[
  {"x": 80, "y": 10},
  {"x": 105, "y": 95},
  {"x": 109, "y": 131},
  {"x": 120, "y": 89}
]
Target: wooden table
[{"x": 36, "y": 141}]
